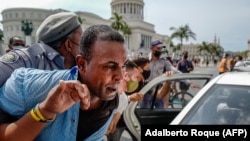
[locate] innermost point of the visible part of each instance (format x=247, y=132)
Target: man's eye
x=113, y=67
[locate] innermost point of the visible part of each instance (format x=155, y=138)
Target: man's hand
x=63, y=96
x=168, y=73
x=192, y=85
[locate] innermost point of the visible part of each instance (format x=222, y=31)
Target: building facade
x=131, y=10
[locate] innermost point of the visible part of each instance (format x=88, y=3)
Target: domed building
x=138, y=42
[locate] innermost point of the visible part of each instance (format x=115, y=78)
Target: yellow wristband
x=37, y=111
x=39, y=114
x=34, y=116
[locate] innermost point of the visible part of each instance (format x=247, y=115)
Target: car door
x=136, y=117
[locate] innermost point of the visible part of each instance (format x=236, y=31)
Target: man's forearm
x=164, y=90
x=25, y=128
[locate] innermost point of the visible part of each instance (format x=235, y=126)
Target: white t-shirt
x=123, y=102
x=239, y=64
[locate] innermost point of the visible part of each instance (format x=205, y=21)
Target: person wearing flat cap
x=58, y=42
x=158, y=66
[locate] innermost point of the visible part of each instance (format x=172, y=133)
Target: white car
x=225, y=100
x=247, y=63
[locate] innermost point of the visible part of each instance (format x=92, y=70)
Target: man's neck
x=153, y=58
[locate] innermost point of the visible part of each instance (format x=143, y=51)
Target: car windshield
x=222, y=104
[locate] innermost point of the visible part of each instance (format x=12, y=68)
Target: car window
x=181, y=92
x=222, y=104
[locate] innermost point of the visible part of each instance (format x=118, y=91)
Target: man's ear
x=81, y=62
x=68, y=45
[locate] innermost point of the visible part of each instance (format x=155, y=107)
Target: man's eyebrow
x=112, y=62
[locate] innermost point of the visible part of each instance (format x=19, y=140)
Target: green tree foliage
x=117, y=22
x=1, y=35
x=80, y=20
x=120, y=25
x=210, y=49
x=181, y=33
x=126, y=30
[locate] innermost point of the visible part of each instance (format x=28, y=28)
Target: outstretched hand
x=64, y=95
x=193, y=86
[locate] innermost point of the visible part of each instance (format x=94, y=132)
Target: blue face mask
x=18, y=47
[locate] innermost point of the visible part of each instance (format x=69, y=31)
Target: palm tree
x=121, y=26
x=118, y=22
x=126, y=32
x=204, y=47
x=183, y=32
x=215, y=50
x=210, y=49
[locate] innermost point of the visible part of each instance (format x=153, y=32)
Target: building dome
x=129, y=9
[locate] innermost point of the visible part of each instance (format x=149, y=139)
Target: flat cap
x=57, y=26
x=157, y=43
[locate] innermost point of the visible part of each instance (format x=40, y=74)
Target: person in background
x=164, y=53
x=232, y=62
x=144, y=68
x=158, y=66
x=223, y=64
x=185, y=66
x=239, y=62
x=15, y=42
x=58, y=36
x=76, y=104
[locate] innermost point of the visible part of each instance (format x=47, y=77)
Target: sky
x=229, y=20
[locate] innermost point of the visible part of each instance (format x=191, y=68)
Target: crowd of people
x=228, y=64
x=74, y=84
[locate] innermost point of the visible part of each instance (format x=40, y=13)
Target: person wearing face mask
x=128, y=92
x=16, y=42
x=143, y=66
x=158, y=66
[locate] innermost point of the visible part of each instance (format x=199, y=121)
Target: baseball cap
x=57, y=26
x=157, y=43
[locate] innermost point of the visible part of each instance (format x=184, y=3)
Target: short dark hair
x=240, y=57
x=91, y=34
x=141, y=61
x=130, y=65
x=12, y=39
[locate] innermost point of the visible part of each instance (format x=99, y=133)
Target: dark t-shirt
x=183, y=65
x=91, y=121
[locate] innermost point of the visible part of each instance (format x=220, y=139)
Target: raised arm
x=59, y=99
